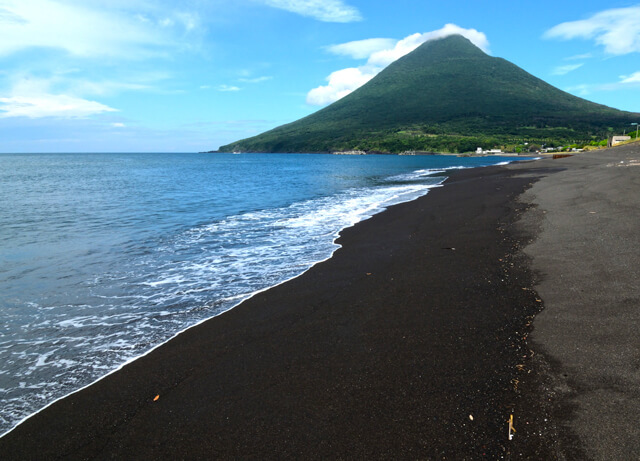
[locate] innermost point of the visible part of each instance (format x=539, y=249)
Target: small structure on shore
x=349, y=152
x=618, y=139
x=480, y=151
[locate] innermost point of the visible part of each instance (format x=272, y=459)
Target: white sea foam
x=229, y=261
x=182, y=281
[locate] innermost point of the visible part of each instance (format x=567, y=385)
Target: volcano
x=445, y=96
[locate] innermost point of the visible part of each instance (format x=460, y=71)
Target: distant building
x=618, y=139
x=480, y=151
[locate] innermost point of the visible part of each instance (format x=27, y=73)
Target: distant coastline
x=375, y=152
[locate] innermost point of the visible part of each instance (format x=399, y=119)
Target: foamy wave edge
x=257, y=292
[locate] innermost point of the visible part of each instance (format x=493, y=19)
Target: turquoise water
x=104, y=256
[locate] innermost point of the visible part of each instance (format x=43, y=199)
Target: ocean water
x=105, y=256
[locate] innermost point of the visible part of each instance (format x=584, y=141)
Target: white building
x=479, y=151
x=618, y=139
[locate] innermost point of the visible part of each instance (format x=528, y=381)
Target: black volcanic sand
x=410, y=342
x=586, y=374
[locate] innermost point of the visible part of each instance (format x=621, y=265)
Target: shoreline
x=528, y=155
x=412, y=340
x=242, y=298
x=333, y=356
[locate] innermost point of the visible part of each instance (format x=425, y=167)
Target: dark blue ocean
x=105, y=256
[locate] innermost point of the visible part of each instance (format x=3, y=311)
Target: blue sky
x=158, y=75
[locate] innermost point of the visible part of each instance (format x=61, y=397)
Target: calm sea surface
x=104, y=256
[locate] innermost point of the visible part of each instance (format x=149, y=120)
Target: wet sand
x=412, y=341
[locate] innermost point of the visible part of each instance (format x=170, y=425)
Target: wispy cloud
x=264, y=78
x=36, y=98
x=633, y=78
x=322, y=10
x=86, y=43
x=342, y=82
x=617, y=30
x=563, y=70
x=362, y=49
x=579, y=56
x=89, y=29
x=581, y=90
x=225, y=88
x=50, y=105
x=625, y=82
x=105, y=87
x=63, y=95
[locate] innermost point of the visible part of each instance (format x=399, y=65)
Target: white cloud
x=37, y=98
x=617, y=30
x=188, y=21
x=67, y=82
x=104, y=34
x=90, y=29
x=579, y=56
x=256, y=79
x=581, y=90
x=50, y=105
x=104, y=87
x=361, y=49
x=410, y=43
x=343, y=82
x=322, y=10
x=633, y=78
x=625, y=82
x=563, y=70
x=225, y=88
x=118, y=125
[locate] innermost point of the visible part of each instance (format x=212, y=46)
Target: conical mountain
x=445, y=96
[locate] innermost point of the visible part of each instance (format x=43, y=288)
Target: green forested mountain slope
x=445, y=96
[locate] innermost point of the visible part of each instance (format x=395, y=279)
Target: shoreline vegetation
x=522, y=149
x=492, y=317
x=497, y=152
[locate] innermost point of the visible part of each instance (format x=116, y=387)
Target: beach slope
x=403, y=344
x=587, y=260
x=412, y=341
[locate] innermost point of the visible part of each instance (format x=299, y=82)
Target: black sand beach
x=411, y=342
x=587, y=260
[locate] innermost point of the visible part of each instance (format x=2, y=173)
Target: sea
x=103, y=257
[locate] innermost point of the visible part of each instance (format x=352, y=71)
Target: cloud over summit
x=380, y=53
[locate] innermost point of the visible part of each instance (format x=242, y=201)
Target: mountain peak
x=454, y=42
x=445, y=96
